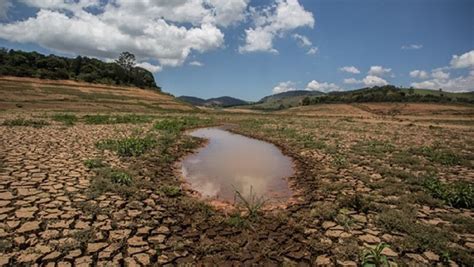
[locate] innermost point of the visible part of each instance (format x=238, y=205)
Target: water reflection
x=232, y=162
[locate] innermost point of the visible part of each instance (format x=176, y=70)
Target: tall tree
x=126, y=60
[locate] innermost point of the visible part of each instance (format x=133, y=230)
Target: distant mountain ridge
x=287, y=94
x=223, y=101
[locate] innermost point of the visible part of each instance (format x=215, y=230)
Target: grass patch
x=94, y=163
x=171, y=191
x=66, y=119
x=128, y=147
x=458, y=194
x=438, y=155
x=116, y=119
x=252, y=203
x=25, y=122
x=116, y=181
x=420, y=237
x=182, y=123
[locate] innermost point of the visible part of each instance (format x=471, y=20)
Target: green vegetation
x=181, y=123
x=171, y=191
x=388, y=93
x=94, y=163
x=458, y=194
x=116, y=119
x=436, y=154
x=373, y=257
x=67, y=119
x=128, y=147
x=120, y=177
x=33, y=64
x=25, y=122
x=251, y=203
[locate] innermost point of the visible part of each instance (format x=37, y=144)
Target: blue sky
x=421, y=43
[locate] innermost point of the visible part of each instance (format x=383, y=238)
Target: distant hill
x=283, y=100
x=389, y=93
x=196, y=101
x=224, y=101
x=35, y=65
x=22, y=93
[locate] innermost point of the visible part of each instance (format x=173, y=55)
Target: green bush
x=458, y=194
x=438, y=155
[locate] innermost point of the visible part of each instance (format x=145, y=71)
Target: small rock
x=371, y=239
x=94, y=247
x=29, y=227
x=323, y=260
x=431, y=256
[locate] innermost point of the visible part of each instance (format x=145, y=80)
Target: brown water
x=232, y=162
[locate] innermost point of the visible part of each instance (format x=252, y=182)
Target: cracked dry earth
x=48, y=217
x=42, y=185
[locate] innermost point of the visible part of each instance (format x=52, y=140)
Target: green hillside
x=35, y=65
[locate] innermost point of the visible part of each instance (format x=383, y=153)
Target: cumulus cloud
x=166, y=31
x=439, y=74
x=412, y=47
x=458, y=84
x=150, y=67
x=440, y=78
x=465, y=60
x=196, y=63
x=322, y=86
x=350, y=69
x=378, y=71
x=276, y=20
x=284, y=87
x=369, y=81
x=421, y=74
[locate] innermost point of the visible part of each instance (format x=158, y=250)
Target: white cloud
x=312, y=51
x=350, y=69
x=284, y=87
x=322, y=86
x=439, y=74
x=412, y=47
x=150, y=67
x=196, y=63
x=4, y=7
x=421, y=74
x=276, y=20
x=378, y=70
x=371, y=80
x=465, y=60
x=162, y=30
x=352, y=81
x=458, y=84
x=441, y=79
x=302, y=40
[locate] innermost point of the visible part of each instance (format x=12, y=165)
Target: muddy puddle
x=230, y=162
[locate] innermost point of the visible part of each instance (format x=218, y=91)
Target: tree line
x=32, y=64
x=388, y=93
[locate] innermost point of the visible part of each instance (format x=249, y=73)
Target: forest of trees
x=387, y=93
x=32, y=64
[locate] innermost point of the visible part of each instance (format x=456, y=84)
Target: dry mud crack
x=47, y=216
